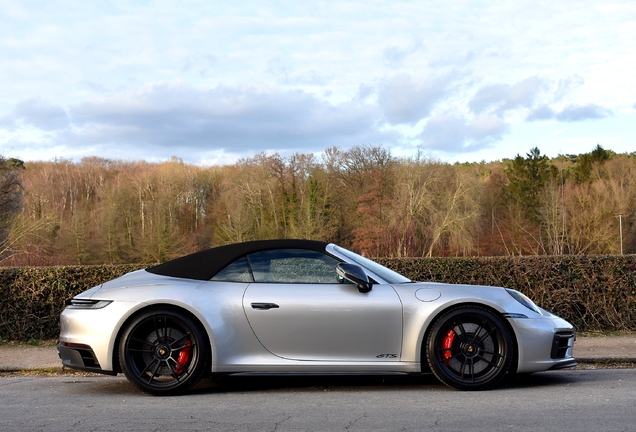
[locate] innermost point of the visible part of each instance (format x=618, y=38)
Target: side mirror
x=356, y=275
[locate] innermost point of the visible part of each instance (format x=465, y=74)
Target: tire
x=469, y=348
x=163, y=351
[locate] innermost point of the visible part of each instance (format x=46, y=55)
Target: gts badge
x=391, y=356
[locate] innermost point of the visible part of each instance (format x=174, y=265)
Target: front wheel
x=163, y=351
x=469, y=348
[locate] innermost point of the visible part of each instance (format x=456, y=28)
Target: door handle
x=264, y=306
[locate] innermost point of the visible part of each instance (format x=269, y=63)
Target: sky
x=213, y=81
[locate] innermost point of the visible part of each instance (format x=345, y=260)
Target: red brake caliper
x=447, y=344
x=184, y=357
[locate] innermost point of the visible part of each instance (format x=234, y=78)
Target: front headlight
x=524, y=300
x=87, y=304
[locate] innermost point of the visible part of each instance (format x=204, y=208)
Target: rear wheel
x=469, y=348
x=163, y=351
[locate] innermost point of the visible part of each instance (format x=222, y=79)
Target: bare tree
x=11, y=193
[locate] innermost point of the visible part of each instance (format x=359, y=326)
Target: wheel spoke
x=492, y=363
x=140, y=350
x=154, y=372
x=184, y=347
x=176, y=342
x=446, y=360
x=481, y=339
x=139, y=340
x=464, y=366
x=147, y=368
x=496, y=365
x=448, y=349
x=463, y=335
x=154, y=322
x=173, y=370
x=494, y=354
x=481, y=326
x=453, y=356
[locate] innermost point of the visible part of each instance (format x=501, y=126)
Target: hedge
x=31, y=298
x=592, y=292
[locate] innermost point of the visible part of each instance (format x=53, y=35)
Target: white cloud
x=567, y=85
x=573, y=113
x=403, y=100
x=307, y=75
x=394, y=55
x=542, y=112
x=453, y=134
x=222, y=118
x=500, y=98
x=41, y=114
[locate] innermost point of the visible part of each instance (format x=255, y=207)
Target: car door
x=299, y=310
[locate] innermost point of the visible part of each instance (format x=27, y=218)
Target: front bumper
x=81, y=357
x=544, y=343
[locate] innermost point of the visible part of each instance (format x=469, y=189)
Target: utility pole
x=620, y=222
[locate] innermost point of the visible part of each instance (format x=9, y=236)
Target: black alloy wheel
x=469, y=348
x=163, y=351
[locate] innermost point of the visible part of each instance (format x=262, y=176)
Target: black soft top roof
x=205, y=264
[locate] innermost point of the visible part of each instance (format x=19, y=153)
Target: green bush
x=31, y=298
x=592, y=292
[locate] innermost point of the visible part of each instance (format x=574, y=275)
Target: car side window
x=293, y=266
x=238, y=271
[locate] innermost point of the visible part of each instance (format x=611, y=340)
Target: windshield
x=388, y=275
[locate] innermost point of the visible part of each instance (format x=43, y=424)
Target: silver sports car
x=303, y=307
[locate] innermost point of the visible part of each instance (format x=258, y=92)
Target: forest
x=102, y=211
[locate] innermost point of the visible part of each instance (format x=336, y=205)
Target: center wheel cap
x=470, y=349
x=162, y=352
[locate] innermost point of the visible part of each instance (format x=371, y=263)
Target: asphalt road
x=568, y=400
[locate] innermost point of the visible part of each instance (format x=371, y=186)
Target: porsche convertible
x=303, y=307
